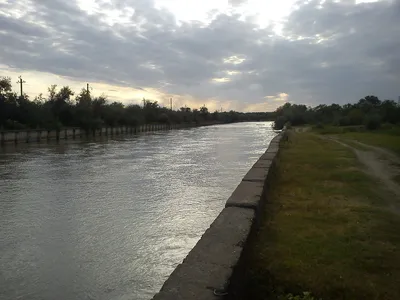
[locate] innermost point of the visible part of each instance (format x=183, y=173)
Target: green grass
x=377, y=138
x=328, y=229
x=397, y=179
x=387, y=137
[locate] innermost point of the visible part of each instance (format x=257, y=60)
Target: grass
x=397, y=179
x=377, y=138
x=328, y=229
x=386, y=137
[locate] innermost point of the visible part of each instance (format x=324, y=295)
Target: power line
x=21, y=82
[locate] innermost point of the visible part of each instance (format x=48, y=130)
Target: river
x=111, y=219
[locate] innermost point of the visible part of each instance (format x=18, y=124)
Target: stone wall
x=208, y=269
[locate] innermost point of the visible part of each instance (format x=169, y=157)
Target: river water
x=111, y=219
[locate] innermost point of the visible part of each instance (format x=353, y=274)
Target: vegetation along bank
x=331, y=223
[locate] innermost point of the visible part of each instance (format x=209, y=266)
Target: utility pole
x=20, y=81
x=87, y=88
x=144, y=102
x=170, y=101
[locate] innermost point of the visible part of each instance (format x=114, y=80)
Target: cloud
x=327, y=51
x=236, y=2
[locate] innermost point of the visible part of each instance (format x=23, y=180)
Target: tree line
x=369, y=111
x=62, y=108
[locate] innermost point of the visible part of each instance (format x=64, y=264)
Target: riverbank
x=215, y=263
x=329, y=228
x=38, y=135
x=129, y=208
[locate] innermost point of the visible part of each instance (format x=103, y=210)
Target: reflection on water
x=111, y=219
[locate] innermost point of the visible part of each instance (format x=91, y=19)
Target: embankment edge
x=212, y=266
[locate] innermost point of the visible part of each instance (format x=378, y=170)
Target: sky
x=245, y=55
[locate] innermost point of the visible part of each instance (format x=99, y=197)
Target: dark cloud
x=330, y=52
x=22, y=29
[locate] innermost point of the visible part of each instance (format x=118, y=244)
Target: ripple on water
x=112, y=219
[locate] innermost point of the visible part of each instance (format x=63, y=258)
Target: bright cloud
x=219, y=53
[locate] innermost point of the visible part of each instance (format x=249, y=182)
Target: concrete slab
x=222, y=243
x=263, y=163
x=209, y=265
x=275, y=144
x=277, y=138
x=247, y=195
x=187, y=291
x=256, y=174
x=273, y=148
x=267, y=156
x=196, y=279
x=199, y=272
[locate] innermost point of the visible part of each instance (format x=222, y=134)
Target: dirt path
x=380, y=163
x=301, y=129
x=385, y=153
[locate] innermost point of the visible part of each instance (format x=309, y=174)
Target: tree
x=62, y=106
x=7, y=106
x=204, y=110
x=215, y=115
x=151, y=110
x=5, y=85
x=134, y=115
x=52, y=92
x=356, y=116
x=389, y=111
x=84, y=113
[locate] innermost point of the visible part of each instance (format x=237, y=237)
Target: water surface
x=111, y=219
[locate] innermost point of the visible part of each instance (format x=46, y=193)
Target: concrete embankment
x=38, y=135
x=211, y=266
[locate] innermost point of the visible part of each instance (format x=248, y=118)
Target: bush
x=328, y=130
x=287, y=125
x=344, y=121
x=319, y=126
x=386, y=126
x=280, y=122
x=163, y=118
x=13, y=125
x=353, y=129
x=356, y=117
x=372, y=123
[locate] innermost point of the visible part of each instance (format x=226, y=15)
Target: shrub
x=326, y=129
x=386, y=126
x=163, y=118
x=280, y=122
x=14, y=125
x=287, y=125
x=344, y=121
x=372, y=123
x=353, y=129
x=319, y=126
